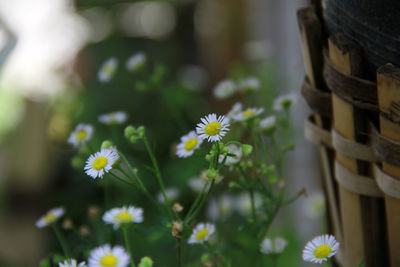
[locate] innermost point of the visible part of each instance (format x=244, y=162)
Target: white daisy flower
x=249, y=84
x=50, y=217
x=232, y=149
x=273, y=245
x=172, y=194
x=201, y=233
x=224, y=89
x=284, y=101
x=320, y=249
x=81, y=135
x=107, y=70
x=189, y=143
x=243, y=203
x=212, y=128
x=71, y=263
x=196, y=184
x=220, y=208
x=107, y=256
x=267, y=124
x=136, y=61
x=236, y=109
x=118, y=216
x=248, y=114
x=116, y=117
x=101, y=162
x=315, y=205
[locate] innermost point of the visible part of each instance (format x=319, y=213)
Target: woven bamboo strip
x=389, y=92
x=361, y=215
x=310, y=30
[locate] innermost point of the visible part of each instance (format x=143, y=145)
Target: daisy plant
x=81, y=135
x=72, y=263
x=107, y=256
x=107, y=70
x=320, y=249
x=243, y=153
x=50, y=219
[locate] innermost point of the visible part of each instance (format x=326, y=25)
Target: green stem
x=264, y=148
x=61, y=240
x=253, y=135
x=253, y=207
x=122, y=179
x=142, y=188
x=274, y=261
x=199, y=196
x=278, y=160
x=250, y=186
x=202, y=202
x=272, y=215
x=159, y=178
x=127, y=243
x=138, y=180
x=179, y=240
x=126, y=174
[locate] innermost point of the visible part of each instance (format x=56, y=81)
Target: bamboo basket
x=355, y=123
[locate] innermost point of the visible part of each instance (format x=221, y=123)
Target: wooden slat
x=388, y=80
x=310, y=30
x=361, y=215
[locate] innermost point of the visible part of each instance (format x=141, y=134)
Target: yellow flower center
x=213, y=128
x=109, y=261
x=81, y=135
x=190, y=144
x=124, y=216
x=248, y=113
x=100, y=163
x=109, y=70
x=50, y=217
x=322, y=251
x=201, y=234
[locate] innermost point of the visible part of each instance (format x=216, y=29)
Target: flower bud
x=146, y=262
x=177, y=207
x=67, y=224
x=247, y=149
x=177, y=228
x=129, y=131
x=211, y=173
x=141, y=131
x=93, y=212
x=84, y=230
x=106, y=144
x=209, y=157
x=133, y=139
